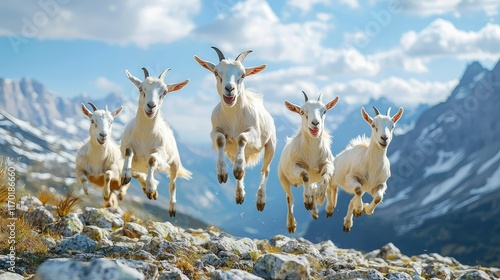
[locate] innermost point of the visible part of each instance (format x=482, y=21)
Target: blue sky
x=410, y=51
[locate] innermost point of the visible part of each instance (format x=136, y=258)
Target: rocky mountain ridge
x=99, y=244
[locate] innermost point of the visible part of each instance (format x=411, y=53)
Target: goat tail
x=184, y=173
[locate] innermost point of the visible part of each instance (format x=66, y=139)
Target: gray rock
x=96, y=269
x=78, y=242
x=438, y=270
x=95, y=233
x=134, y=230
x=371, y=274
x=101, y=217
x=171, y=272
x=398, y=276
x=474, y=274
x=68, y=226
x=389, y=252
x=327, y=249
x=10, y=276
x=279, y=266
x=39, y=217
x=228, y=243
x=211, y=259
x=233, y=274
x=149, y=270
x=165, y=230
x=30, y=201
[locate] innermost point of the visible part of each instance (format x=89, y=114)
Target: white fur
x=241, y=126
x=148, y=142
x=363, y=167
x=307, y=158
x=99, y=160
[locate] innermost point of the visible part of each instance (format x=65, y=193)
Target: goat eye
x=216, y=74
x=243, y=76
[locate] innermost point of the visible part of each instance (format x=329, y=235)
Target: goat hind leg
x=261, y=192
x=221, y=167
x=348, y=217
x=173, y=190
x=240, y=191
x=239, y=161
x=331, y=196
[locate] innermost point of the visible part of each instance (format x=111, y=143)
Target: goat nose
x=384, y=138
x=229, y=88
x=103, y=135
x=151, y=105
x=316, y=123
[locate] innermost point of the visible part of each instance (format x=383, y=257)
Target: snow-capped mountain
x=445, y=182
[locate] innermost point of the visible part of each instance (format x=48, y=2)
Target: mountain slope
x=445, y=173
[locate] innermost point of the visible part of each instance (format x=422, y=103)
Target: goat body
x=363, y=167
x=241, y=126
x=148, y=142
x=306, y=158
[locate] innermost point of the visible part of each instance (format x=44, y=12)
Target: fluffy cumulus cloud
x=442, y=38
x=457, y=7
x=253, y=24
x=140, y=23
x=405, y=92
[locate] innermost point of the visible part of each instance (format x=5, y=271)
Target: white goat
x=307, y=158
x=363, y=167
x=99, y=161
x=148, y=142
x=241, y=126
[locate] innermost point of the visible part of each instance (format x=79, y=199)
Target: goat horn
x=93, y=106
x=146, y=73
x=242, y=55
x=389, y=111
x=305, y=96
x=319, y=97
x=219, y=53
x=376, y=111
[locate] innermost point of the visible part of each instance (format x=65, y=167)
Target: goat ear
x=134, y=79
x=398, y=115
x=332, y=103
x=254, y=70
x=205, y=64
x=117, y=111
x=292, y=107
x=178, y=86
x=366, y=117
x=86, y=111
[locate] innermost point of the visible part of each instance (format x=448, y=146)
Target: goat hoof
x=260, y=206
x=240, y=200
x=121, y=196
x=308, y=205
x=155, y=195
x=126, y=180
x=347, y=229
x=171, y=213
x=222, y=178
x=328, y=215
x=315, y=215
x=238, y=174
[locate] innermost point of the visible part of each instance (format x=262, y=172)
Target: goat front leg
x=326, y=172
x=151, y=183
x=248, y=136
x=220, y=140
x=141, y=177
x=299, y=171
x=268, y=157
x=127, y=166
x=377, y=194
x=315, y=212
x=106, y=189
x=240, y=191
x=354, y=185
x=348, y=217
x=83, y=180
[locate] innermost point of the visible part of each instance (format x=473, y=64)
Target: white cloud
x=442, y=38
x=306, y=6
x=404, y=92
x=457, y=7
x=121, y=22
x=107, y=85
x=254, y=25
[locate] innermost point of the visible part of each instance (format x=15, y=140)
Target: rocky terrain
x=99, y=243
